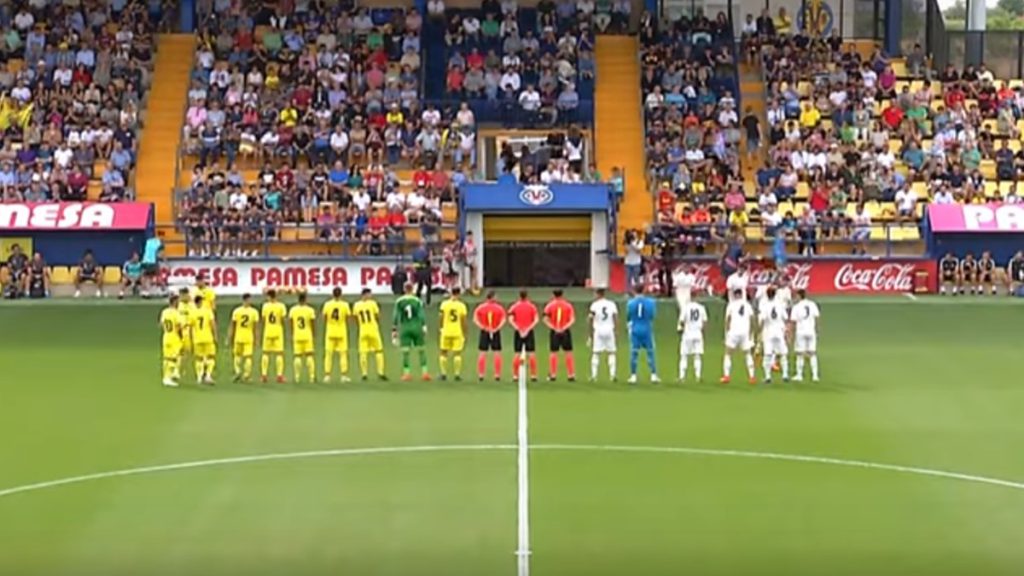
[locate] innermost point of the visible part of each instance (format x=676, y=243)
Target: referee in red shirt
x=522, y=315
x=559, y=316
x=489, y=317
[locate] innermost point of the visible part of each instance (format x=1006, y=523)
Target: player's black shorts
x=87, y=276
x=560, y=341
x=519, y=342
x=949, y=276
x=489, y=341
x=986, y=276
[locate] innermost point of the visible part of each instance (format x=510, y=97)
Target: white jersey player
x=603, y=316
x=739, y=318
x=694, y=317
x=683, y=282
x=737, y=283
x=804, y=317
x=773, y=318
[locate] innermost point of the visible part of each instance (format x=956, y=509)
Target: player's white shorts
x=691, y=345
x=775, y=344
x=738, y=342
x=604, y=342
x=805, y=343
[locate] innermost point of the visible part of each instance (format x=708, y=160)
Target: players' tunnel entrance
x=536, y=250
x=536, y=263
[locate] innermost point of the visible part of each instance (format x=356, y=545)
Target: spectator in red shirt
x=892, y=115
x=819, y=198
x=396, y=229
x=489, y=317
x=523, y=317
x=455, y=80
x=421, y=177
x=559, y=316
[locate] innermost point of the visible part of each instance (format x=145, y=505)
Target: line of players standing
x=979, y=276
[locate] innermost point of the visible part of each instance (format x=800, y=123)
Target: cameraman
x=634, y=260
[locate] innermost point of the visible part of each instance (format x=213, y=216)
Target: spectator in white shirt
x=510, y=79
x=943, y=196
x=471, y=26
x=906, y=204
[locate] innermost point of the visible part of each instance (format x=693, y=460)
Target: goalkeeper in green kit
x=409, y=330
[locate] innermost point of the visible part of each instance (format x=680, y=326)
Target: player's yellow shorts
x=273, y=345
x=242, y=349
x=204, y=349
x=336, y=345
x=370, y=343
x=452, y=342
x=302, y=347
x=171, y=348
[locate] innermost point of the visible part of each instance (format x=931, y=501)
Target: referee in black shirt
x=421, y=263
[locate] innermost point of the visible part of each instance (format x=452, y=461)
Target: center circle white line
x=509, y=447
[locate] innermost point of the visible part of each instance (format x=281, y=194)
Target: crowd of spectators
x=851, y=141
x=690, y=111
x=326, y=99
x=867, y=142
x=74, y=77
x=535, y=66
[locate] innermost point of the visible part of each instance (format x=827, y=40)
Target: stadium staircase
x=161, y=137
x=619, y=128
x=752, y=94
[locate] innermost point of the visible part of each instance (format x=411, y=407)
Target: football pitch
x=906, y=459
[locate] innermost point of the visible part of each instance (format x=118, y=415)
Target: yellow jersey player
x=273, y=315
x=170, y=329
x=335, y=314
x=204, y=341
x=245, y=321
x=185, y=308
x=202, y=288
x=453, y=333
x=303, y=319
x=367, y=314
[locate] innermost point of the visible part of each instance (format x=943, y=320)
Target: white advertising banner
x=313, y=276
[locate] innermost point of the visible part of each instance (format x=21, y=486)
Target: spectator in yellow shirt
x=809, y=116
x=289, y=116
x=783, y=23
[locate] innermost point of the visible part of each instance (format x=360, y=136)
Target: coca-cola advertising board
x=311, y=276
x=846, y=276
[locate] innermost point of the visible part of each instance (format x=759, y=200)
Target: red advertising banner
x=69, y=216
x=976, y=217
x=845, y=276
x=312, y=276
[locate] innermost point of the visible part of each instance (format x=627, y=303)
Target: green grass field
x=926, y=385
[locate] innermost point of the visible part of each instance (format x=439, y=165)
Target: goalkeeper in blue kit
x=640, y=314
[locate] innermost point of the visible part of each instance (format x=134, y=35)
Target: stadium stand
x=75, y=81
x=307, y=133
x=521, y=66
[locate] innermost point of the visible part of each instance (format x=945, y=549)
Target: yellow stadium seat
x=803, y=190
x=61, y=275
x=306, y=233
x=886, y=211
x=990, y=188
x=111, y=274
x=1014, y=145
x=988, y=169
x=921, y=189
x=1014, y=84
x=926, y=146
x=901, y=84
x=899, y=68
x=879, y=233
x=754, y=233
x=916, y=85
x=449, y=212
x=1005, y=187
x=413, y=234
x=785, y=207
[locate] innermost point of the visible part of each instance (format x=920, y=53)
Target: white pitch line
x=523, y=482
x=911, y=296
x=973, y=478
